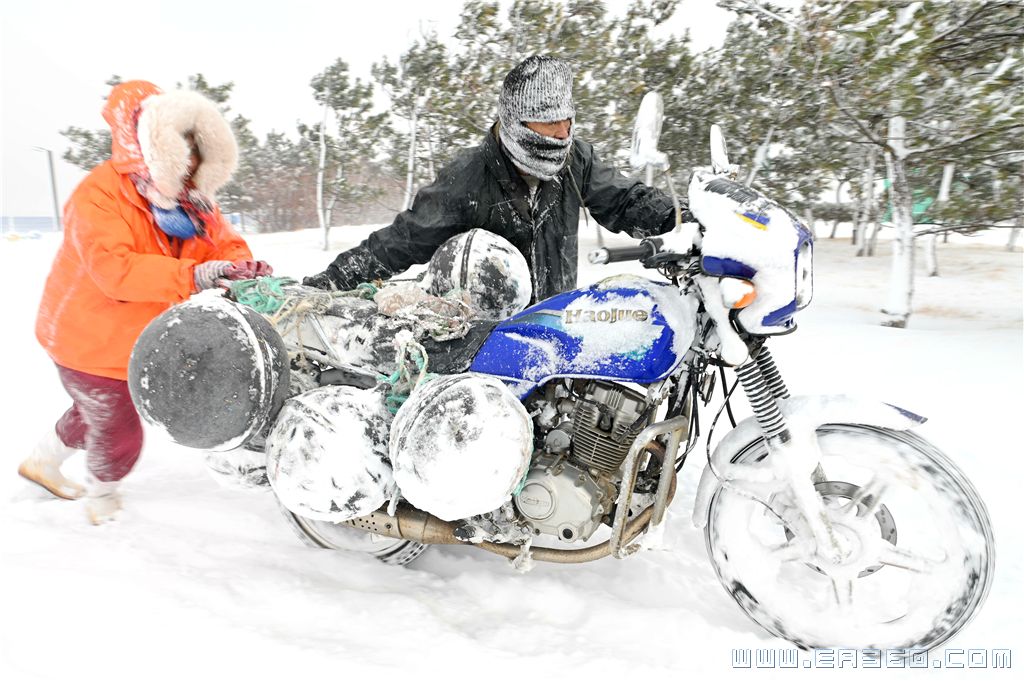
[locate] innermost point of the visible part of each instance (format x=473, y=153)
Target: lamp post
x=53, y=187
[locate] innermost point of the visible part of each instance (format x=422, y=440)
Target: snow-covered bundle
x=327, y=454
x=239, y=469
x=460, y=445
x=361, y=336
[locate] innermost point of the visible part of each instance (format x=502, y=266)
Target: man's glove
x=248, y=269
x=206, y=274
x=321, y=281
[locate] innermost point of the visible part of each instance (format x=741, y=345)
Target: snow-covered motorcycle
x=826, y=519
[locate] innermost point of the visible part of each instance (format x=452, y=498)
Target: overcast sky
x=56, y=55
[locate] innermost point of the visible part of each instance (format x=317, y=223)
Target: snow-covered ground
x=198, y=581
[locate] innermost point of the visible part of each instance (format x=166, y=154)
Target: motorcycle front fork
x=764, y=387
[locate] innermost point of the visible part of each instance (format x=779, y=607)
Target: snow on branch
x=757, y=7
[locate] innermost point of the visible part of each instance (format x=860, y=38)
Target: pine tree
x=419, y=88
x=895, y=84
x=354, y=142
x=89, y=148
x=284, y=197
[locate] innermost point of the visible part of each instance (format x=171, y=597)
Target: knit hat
x=537, y=90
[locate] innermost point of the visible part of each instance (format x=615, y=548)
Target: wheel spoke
x=869, y=496
x=904, y=559
x=842, y=593
x=788, y=552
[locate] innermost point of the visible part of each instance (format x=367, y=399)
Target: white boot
x=43, y=468
x=102, y=500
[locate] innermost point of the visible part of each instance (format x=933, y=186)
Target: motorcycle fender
x=804, y=414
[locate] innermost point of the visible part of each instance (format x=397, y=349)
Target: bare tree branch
x=865, y=130
x=964, y=140
x=973, y=226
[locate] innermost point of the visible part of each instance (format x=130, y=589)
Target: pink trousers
x=102, y=420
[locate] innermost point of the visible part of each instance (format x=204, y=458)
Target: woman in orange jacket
x=141, y=232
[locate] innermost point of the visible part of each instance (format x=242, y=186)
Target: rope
x=265, y=294
x=442, y=318
x=293, y=312
x=288, y=310
x=403, y=381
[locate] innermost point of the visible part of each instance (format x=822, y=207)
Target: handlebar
x=644, y=249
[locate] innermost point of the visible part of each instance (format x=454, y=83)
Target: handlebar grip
x=644, y=249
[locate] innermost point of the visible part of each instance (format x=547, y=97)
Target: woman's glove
x=248, y=269
x=206, y=274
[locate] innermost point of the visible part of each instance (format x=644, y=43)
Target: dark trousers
x=102, y=420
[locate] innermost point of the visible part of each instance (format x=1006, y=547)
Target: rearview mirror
x=719, y=151
x=646, y=132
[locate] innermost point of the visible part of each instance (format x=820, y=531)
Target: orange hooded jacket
x=115, y=270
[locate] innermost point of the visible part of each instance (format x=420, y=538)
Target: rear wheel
x=341, y=537
x=917, y=547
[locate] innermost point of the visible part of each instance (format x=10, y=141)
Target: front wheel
x=340, y=537
x=916, y=545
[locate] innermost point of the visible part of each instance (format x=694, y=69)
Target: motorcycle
x=826, y=519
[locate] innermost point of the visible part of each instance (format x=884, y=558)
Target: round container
x=327, y=454
x=210, y=373
x=460, y=445
x=486, y=267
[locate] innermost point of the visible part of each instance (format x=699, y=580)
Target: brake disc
x=833, y=489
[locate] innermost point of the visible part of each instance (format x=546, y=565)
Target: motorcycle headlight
x=804, y=275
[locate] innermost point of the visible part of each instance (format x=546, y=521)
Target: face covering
x=533, y=153
x=174, y=222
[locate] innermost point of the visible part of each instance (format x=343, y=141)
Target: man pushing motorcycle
x=526, y=182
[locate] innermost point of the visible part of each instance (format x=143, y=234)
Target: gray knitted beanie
x=537, y=90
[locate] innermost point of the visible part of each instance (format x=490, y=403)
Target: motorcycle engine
x=586, y=428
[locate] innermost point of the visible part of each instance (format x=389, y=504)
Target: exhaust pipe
x=419, y=526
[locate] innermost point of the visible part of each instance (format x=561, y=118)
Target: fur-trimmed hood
x=121, y=114
x=148, y=129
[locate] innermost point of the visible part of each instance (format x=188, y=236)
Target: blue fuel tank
x=624, y=328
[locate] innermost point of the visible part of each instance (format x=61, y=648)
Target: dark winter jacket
x=481, y=188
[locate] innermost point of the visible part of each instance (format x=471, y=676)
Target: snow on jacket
x=481, y=188
x=115, y=270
